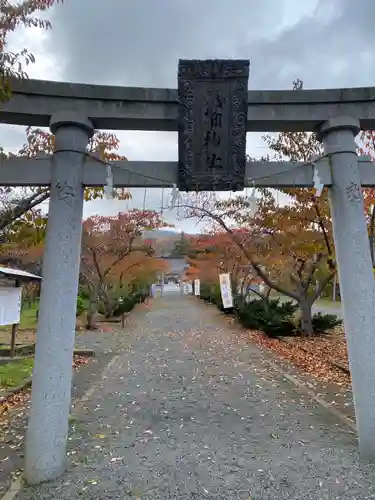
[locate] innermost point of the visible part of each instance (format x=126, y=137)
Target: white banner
x=10, y=305
x=226, y=290
x=197, y=287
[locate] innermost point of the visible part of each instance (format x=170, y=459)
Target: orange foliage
x=104, y=143
x=14, y=15
x=216, y=253
x=112, y=247
x=367, y=148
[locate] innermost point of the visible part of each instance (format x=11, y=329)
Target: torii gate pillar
x=357, y=283
x=52, y=377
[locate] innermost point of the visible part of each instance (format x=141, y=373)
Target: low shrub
x=210, y=293
x=127, y=304
x=271, y=317
x=140, y=296
x=274, y=317
x=129, y=301
x=324, y=322
x=84, y=292
x=81, y=305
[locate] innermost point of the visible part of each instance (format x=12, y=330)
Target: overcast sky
x=139, y=42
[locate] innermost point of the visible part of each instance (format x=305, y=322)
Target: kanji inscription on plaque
x=213, y=104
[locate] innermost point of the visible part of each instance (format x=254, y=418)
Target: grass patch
x=73, y=420
x=321, y=301
x=328, y=303
x=13, y=374
x=28, y=319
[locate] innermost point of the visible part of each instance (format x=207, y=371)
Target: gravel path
x=106, y=344
x=190, y=411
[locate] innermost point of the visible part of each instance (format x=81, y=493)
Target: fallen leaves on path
x=21, y=398
x=313, y=355
x=80, y=360
x=330, y=347
x=316, y=362
x=106, y=328
x=13, y=424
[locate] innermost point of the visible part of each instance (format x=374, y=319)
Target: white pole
x=355, y=271
x=52, y=376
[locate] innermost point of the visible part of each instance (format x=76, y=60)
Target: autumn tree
x=285, y=245
x=181, y=247
x=214, y=253
x=112, y=247
x=366, y=147
x=163, y=245
x=15, y=203
x=22, y=222
x=22, y=248
x=12, y=16
x=23, y=242
x=137, y=272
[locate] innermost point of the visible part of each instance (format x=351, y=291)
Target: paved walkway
x=190, y=411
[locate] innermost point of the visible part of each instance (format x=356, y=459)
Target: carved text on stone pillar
x=212, y=124
x=65, y=192
x=353, y=191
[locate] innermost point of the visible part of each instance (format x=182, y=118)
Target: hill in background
x=167, y=243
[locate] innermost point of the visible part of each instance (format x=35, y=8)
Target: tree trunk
x=106, y=302
x=307, y=329
x=93, y=302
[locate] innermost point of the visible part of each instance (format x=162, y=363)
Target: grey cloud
x=328, y=48
x=140, y=42
x=12, y=137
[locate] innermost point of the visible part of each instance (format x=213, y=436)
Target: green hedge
x=271, y=317
x=274, y=317
x=129, y=302
x=323, y=322
x=81, y=305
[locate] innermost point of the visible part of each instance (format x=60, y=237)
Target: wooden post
x=13, y=340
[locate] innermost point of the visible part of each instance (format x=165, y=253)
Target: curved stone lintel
x=132, y=108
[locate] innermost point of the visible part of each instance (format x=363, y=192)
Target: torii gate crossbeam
x=16, y=171
x=135, y=108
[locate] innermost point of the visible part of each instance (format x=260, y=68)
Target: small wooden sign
x=213, y=107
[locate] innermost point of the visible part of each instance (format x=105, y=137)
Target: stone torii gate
x=210, y=157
